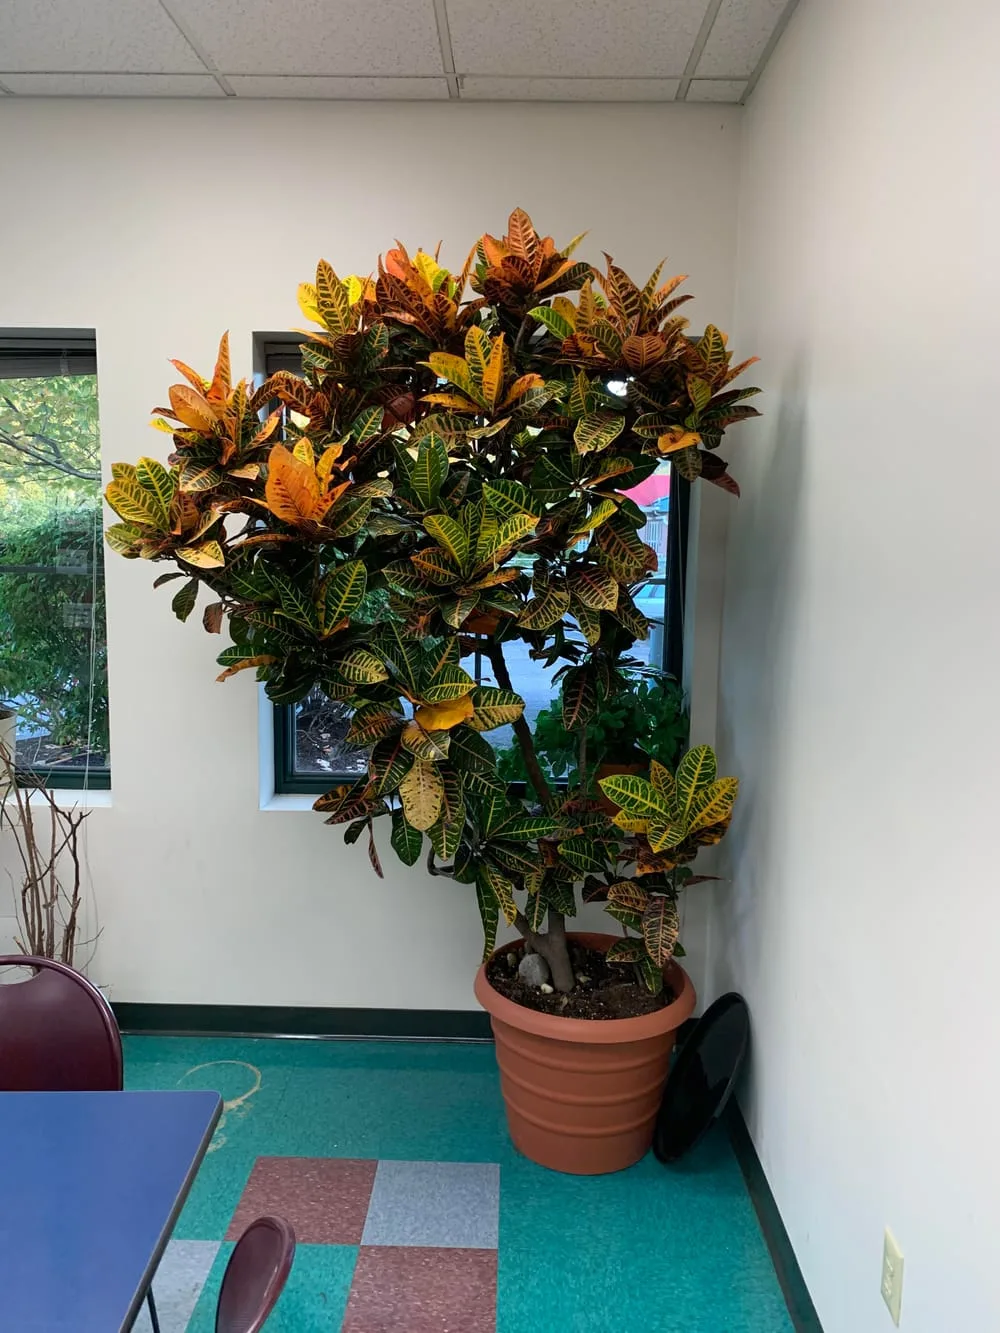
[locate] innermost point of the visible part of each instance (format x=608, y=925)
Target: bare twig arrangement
x=47, y=839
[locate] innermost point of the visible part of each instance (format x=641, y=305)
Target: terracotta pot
x=582, y=1094
x=613, y=770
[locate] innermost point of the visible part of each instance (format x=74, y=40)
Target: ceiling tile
x=315, y=36
x=632, y=38
x=106, y=35
x=739, y=36
x=485, y=89
x=294, y=85
x=112, y=85
x=716, y=90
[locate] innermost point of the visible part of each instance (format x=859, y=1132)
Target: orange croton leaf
x=192, y=409
x=292, y=490
x=677, y=438
x=222, y=381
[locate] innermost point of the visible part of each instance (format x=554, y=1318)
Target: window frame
x=72, y=345
x=273, y=352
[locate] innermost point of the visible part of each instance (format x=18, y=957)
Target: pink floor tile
x=410, y=1289
x=324, y=1198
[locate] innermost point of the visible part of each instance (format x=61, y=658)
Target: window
x=310, y=754
x=53, y=664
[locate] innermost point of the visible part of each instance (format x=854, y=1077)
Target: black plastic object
x=703, y=1077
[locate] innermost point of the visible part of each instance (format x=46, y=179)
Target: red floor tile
x=409, y=1289
x=324, y=1198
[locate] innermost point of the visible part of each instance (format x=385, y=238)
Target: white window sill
x=288, y=801
x=67, y=797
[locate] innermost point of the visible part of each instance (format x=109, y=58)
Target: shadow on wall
x=763, y=581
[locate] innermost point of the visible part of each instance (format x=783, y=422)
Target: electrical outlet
x=892, y=1275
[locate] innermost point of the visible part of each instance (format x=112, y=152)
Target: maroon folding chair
x=255, y=1276
x=58, y=1034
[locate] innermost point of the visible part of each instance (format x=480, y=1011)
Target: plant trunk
x=558, y=956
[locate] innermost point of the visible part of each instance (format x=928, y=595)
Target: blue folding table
x=91, y=1184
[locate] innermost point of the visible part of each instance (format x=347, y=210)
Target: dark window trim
x=78, y=349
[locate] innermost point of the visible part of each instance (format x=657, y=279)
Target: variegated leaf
x=660, y=928
x=422, y=793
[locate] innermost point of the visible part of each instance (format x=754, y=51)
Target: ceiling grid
x=471, y=50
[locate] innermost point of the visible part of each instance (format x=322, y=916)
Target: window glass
x=53, y=667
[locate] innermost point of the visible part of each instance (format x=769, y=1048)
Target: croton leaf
x=206, y=555
x=342, y=593
x=371, y=723
x=635, y=795
x=154, y=478
x=535, y=908
x=627, y=893
x=596, y=587
x=132, y=502
x=501, y=888
x=695, y=772
x=450, y=534
x=489, y=913
x=528, y=828
x=449, y=682
x=713, y=804
x=122, y=537
x=422, y=793
x=579, y=698
x=543, y=611
x=470, y=753
x=445, y=836
x=429, y=745
x=405, y=839
x=388, y=765
x=292, y=488
x=652, y=976
x=626, y=951
x=182, y=602
x=444, y=716
x=584, y=854
x=429, y=469
x=660, y=928
x=494, y=708
x=361, y=667
x=596, y=430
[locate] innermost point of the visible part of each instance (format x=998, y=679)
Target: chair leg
x=152, y=1311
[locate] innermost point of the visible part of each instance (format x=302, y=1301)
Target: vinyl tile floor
x=414, y=1213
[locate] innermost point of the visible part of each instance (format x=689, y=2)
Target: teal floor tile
x=313, y=1301
x=658, y=1250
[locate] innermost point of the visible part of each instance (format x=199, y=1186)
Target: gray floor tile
x=179, y=1279
x=442, y=1204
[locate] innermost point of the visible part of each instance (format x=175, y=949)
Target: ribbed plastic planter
x=582, y=1094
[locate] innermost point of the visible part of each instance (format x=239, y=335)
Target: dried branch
x=48, y=907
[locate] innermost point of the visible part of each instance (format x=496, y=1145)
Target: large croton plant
x=449, y=475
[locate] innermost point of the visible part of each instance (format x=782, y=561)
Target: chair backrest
x=57, y=1032
x=255, y=1276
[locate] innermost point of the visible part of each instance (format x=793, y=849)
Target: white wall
x=160, y=224
x=860, y=646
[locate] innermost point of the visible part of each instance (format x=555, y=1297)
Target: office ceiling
x=469, y=50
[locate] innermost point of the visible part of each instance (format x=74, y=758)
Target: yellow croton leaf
x=309, y=302
x=677, y=438
x=442, y=717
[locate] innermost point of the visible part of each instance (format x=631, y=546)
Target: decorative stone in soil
x=610, y=991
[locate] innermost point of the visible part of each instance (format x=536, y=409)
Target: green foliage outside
x=645, y=719
x=50, y=515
